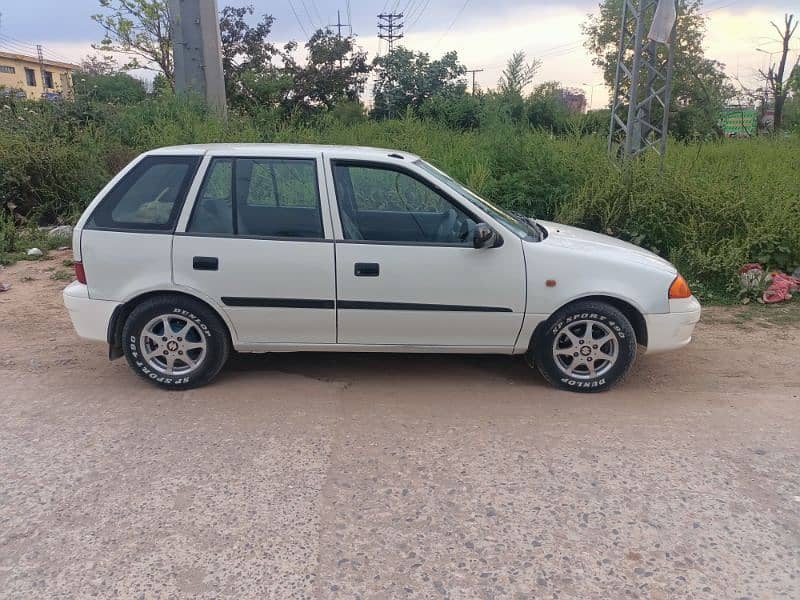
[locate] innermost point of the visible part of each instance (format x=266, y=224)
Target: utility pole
x=339, y=24
x=643, y=76
x=40, y=55
x=197, y=50
x=390, y=27
x=473, y=71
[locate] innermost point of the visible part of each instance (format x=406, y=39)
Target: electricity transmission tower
x=390, y=27
x=643, y=82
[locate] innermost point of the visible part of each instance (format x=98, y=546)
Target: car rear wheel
x=587, y=346
x=175, y=342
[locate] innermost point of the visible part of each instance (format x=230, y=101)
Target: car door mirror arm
x=485, y=237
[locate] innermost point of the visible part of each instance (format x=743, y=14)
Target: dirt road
x=342, y=476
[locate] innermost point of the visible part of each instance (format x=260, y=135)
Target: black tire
x=607, y=323
x=205, y=329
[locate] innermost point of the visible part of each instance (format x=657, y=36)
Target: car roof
x=361, y=152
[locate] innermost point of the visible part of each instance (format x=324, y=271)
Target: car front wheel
x=587, y=346
x=175, y=342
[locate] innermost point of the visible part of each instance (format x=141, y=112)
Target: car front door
x=258, y=242
x=407, y=271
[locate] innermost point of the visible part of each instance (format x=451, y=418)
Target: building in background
x=574, y=101
x=25, y=74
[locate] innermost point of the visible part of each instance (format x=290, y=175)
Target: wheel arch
x=632, y=313
x=120, y=315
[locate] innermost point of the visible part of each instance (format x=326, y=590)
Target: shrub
x=713, y=206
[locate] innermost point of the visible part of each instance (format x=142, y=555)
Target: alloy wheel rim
x=585, y=349
x=173, y=345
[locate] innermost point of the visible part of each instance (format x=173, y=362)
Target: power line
x=710, y=9
x=11, y=43
x=316, y=11
x=453, y=22
x=297, y=18
x=29, y=49
x=308, y=14
x=422, y=8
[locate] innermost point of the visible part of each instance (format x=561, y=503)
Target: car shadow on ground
x=343, y=366
x=484, y=374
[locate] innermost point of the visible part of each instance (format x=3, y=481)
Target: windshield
x=515, y=222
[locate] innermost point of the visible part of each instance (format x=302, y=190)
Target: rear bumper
x=89, y=317
x=674, y=329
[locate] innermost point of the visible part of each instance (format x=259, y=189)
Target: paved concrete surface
x=347, y=476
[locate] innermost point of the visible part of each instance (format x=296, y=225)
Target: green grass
x=16, y=247
x=712, y=207
x=784, y=314
x=61, y=275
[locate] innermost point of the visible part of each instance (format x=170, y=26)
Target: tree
x=251, y=77
x=96, y=64
x=518, y=74
x=546, y=108
x=141, y=30
x=101, y=79
x=112, y=87
x=335, y=72
x=407, y=79
x=700, y=84
x=777, y=80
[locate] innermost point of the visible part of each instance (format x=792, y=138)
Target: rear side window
x=259, y=197
x=149, y=197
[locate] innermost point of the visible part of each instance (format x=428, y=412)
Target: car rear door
x=258, y=241
x=407, y=273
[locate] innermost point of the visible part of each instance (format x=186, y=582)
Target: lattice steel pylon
x=390, y=27
x=643, y=77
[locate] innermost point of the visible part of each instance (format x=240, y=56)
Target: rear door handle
x=367, y=270
x=205, y=263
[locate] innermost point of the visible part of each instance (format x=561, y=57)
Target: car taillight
x=679, y=289
x=80, y=274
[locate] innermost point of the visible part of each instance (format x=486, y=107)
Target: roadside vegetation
x=713, y=205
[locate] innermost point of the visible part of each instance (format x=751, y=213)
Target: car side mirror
x=485, y=236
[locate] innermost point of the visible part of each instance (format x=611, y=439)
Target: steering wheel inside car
x=454, y=227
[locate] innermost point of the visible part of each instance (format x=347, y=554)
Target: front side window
x=382, y=204
x=518, y=225
x=259, y=197
x=149, y=197
x=48, y=79
x=30, y=77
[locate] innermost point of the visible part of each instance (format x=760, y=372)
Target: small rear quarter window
x=149, y=197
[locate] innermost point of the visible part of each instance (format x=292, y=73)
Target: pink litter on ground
x=781, y=288
x=4, y=287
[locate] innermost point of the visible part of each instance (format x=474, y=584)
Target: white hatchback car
x=194, y=251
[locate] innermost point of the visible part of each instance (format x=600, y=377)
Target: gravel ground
x=350, y=476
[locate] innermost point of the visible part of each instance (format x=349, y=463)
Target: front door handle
x=205, y=263
x=367, y=270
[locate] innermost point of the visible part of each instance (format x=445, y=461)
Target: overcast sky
x=484, y=32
